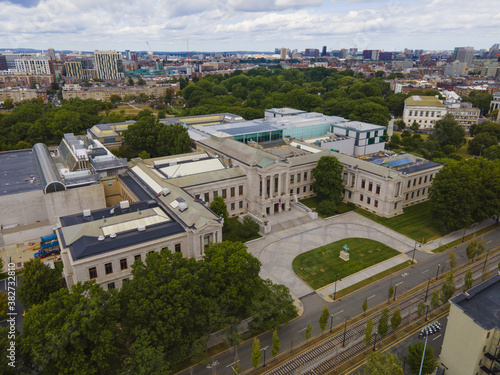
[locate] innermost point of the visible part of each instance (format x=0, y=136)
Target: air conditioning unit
x=165, y=191
x=86, y=213
x=183, y=206
x=141, y=228
x=124, y=205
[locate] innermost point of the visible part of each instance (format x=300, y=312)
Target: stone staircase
x=278, y=227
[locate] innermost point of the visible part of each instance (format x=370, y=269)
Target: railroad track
x=326, y=356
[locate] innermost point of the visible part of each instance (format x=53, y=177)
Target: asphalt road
x=18, y=308
x=293, y=332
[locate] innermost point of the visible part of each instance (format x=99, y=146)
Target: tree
x=414, y=358
x=73, y=333
x=448, y=288
x=435, y=299
x=249, y=227
x=383, y=364
x=383, y=323
x=276, y=343
x=468, y=280
x=475, y=248
x=400, y=124
x=327, y=208
x=8, y=104
x=256, y=353
x=364, y=305
x=144, y=155
x=218, y=206
x=323, y=319
x=115, y=98
x=453, y=259
x=308, y=332
x=492, y=152
x=328, y=184
x=480, y=100
x=415, y=127
x=141, y=82
x=130, y=82
x=481, y=142
x=271, y=306
x=368, y=332
x=421, y=308
x=233, y=337
x=3, y=303
x=390, y=293
x=448, y=131
x=38, y=283
x=396, y=320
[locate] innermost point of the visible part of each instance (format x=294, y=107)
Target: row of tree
x=159, y=318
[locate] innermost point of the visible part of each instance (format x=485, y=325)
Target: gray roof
x=482, y=303
x=207, y=177
x=15, y=168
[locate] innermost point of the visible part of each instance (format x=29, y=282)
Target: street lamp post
x=345, y=329
x=264, y=349
x=427, y=291
x=485, y=260
x=430, y=330
x=395, y=291
x=331, y=324
x=335, y=291
x=437, y=273
x=414, y=249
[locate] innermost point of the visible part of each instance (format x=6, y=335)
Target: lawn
x=233, y=233
x=416, y=222
x=313, y=204
x=321, y=266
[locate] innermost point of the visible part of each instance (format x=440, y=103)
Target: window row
x=416, y=194
x=299, y=175
x=232, y=192
x=437, y=114
x=370, y=186
x=368, y=200
x=419, y=179
x=304, y=190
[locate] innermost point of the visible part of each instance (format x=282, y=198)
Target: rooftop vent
x=141, y=228
x=183, y=206
x=112, y=235
x=100, y=238
x=86, y=213
x=124, y=205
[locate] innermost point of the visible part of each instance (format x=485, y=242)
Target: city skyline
x=257, y=26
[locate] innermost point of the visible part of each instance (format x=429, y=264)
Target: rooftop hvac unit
x=124, y=205
x=165, y=191
x=141, y=228
x=100, y=238
x=86, y=213
x=112, y=235
x=183, y=206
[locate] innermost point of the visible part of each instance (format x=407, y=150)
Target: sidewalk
x=328, y=290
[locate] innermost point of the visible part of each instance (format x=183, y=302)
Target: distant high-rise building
x=52, y=54
x=108, y=64
x=494, y=50
x=283, y=53
x=323, y=51
x=386, y=56
x=353, y=52
x=133, y=57
x=311, y=52
x=465, y=55
x=277, y=51
x=127, y=54
x=343, y=53
x=371, y=54
x=3, y=62
x=36, y=65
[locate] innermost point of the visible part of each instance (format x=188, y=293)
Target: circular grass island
x=322, y=266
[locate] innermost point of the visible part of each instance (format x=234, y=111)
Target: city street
x=292, y=333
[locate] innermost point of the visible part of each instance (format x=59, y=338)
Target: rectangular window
x=305, y=176
x=407, y=195
x=412, y=195
x=298, y=177
x=298, y=190
x=418, y=193
x=137, y=257
x=233, y=192
x=425, y=179
x=414, y=182
x=177, y=247
x=93, y=273
x=410, y=113
x=123, y=264
x=207, y=198
x=108, y=268
x=370, y=186
x=430, y=178
x=420, y=181
x=216, y=194
x=305, y=189
x=368, y=200
x=395, y=205
x=409, y=183
x=292, y=176
x=362, y=184
x=241, y=204
x=291, y=191
x=111, y=286
x=197, y=196
x=240, y=190
x=232, y=206
x=361, y=197
x=350, y=195
x=377, y=189
x=375, y=203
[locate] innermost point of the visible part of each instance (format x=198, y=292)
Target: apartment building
x=108, y=65
x=465, y=114
x=471, y=343
x=424, y=110
x=36, y=65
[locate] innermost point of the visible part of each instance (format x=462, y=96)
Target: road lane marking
x=489, y=241
x=400, y=283
x=435, y=338
x=425, y=271
x=338, y=312
x=371, y=296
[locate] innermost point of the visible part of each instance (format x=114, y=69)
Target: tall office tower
x=311, y=52
x=283, y=53
x=276, y=51
x=108, y=64
x=52, y=54
x=74, y=69
x=465, y=54
x=127, y=54
x=3, y=62
x=353, y=52
x=494, y=50
x=323, y=51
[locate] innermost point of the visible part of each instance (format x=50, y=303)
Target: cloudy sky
x=258, y=25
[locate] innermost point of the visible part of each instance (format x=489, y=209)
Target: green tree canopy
x=218, y=206
x=38, y=283
x=383, y=323
x=414, y=359
x=448, y=288
x=448, y=131
x=328, y=184
x=383, y=364
x=480, y=142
